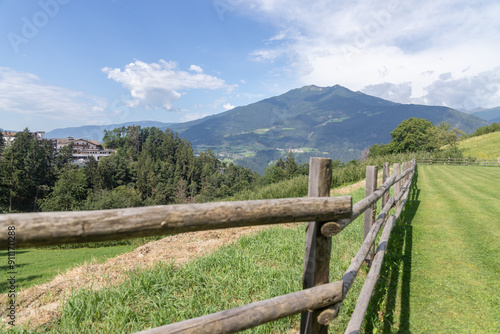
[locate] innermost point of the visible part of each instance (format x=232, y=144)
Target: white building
x=83, y=148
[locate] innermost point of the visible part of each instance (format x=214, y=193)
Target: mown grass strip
x=442, y=271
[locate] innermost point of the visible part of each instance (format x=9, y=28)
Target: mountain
x=97, y=131
x=491, y=115
x=311, y=121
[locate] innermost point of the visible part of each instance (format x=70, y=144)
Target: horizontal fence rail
x=55, y=228
x=319, y=301
x=258, y=313
x=332, y=228
x=460, y=162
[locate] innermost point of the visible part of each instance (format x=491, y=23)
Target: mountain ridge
x=311, y=121
x=491, y=115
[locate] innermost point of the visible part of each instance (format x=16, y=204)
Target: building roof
x=8, y=133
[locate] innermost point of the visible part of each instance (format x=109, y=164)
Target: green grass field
x=441, y=274
x=40, y=265
x=255, y=267
x=483, y=147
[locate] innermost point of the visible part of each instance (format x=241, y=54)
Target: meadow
x=482, y=147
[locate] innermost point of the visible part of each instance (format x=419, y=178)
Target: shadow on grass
x=5, y=285
x=382, y=312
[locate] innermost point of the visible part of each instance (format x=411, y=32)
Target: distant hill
x=483, y=147
x=96, y=132
x=491, y=115
x=311, y=121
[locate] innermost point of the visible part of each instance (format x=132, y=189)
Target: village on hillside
x=83, y=149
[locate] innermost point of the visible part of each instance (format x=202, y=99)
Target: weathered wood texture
x=54, y=228
x=369, y=215
x=327, y=316
x=335, y=227
x=385, y=175
x=397, y=185
x=358, y=315
x=258, y=313
x=318, y=247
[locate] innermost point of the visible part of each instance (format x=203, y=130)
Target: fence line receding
x=318, y=302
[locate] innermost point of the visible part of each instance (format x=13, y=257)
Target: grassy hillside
x=256, y=267
x=483, y=147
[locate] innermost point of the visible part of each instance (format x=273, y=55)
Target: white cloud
x=160, y=84
x=266, y=55
x=228, y=106
x=400, y=93
x=26, y=94
x=464, y=92
x=365, y=43
x=193, y=116
x=196, y=68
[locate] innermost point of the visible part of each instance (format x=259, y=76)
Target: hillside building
x=83, y=149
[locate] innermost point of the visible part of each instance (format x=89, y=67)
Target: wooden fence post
x=371, y=186
x=397, y=185
x=405, y=166
x=385, y=175
x=318, y=247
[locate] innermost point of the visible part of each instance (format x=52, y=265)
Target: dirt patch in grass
x=41, y=304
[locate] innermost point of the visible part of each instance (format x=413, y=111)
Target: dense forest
x=150, y=167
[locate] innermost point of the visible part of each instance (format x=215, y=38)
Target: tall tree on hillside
x=2, y=143
x=412, y=135
x=64, y=157
x=69, y=191
x=26, y=171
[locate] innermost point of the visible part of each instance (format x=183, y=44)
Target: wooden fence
x=461, y=162
x=318, y=302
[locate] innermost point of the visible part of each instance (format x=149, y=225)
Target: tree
x=69, y=191
x=444, y=134
x=2, y=143
x=25, y=172
x=92, y=173
x=290, y=166
x=412, y=135
x=380, y=150
x=64, y=157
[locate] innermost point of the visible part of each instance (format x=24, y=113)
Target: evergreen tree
x=69, y=191
x=2, y=143
x=26, y=169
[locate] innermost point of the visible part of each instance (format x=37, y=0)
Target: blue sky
x=80, y=62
